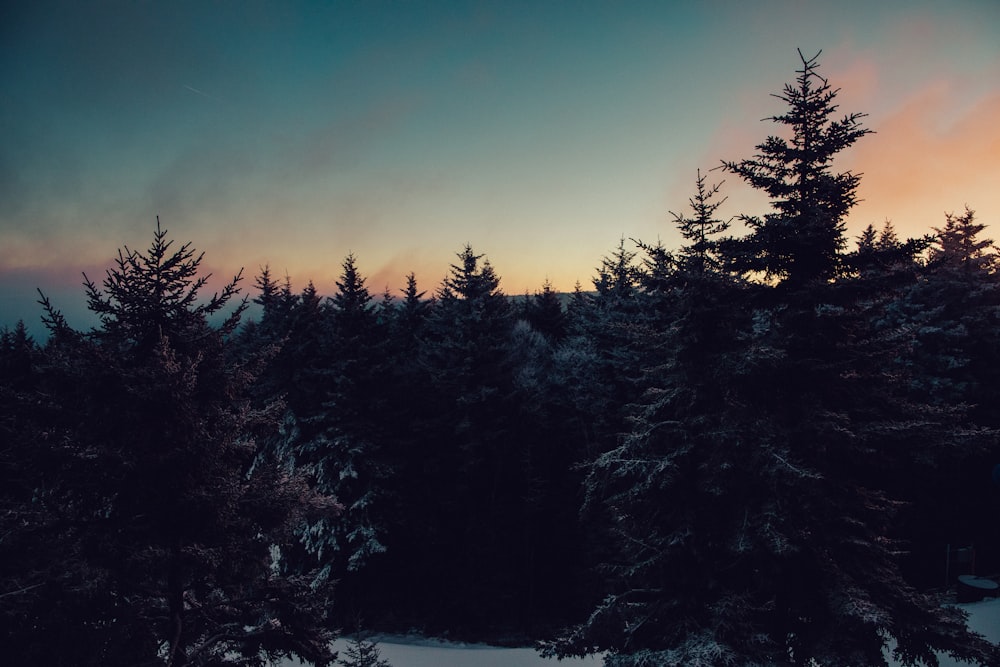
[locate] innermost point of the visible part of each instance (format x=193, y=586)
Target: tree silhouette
x=754, y=494
x=802, y=239
x=169, y=514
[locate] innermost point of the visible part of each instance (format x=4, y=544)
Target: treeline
x=752, y=449
x=447, y=426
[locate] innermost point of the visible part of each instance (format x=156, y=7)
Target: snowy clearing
x=404, y=651
x=407, y=652
x=984, y=618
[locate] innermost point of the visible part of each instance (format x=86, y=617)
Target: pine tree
x=960, y=248
x=952, y=313
x=155, y=490
x=472, y=469
x=802, y=240
x=413, y=312
x=27, y=571
x=754, y=495
x=152, y=295
x=297, y=372
x=362, y=651
x=881, y=256
x=545, y=312
x=346, y=453
x=407, y=435
x=701, y=255
x=18, y=354
x=654, y=495
x=352, y=303
x=600, y=361
x=276, y=302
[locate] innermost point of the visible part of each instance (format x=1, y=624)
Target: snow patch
x=416, y=651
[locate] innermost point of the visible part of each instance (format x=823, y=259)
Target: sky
x=290, y=134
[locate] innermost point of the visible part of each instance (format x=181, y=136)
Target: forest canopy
x=754, y=449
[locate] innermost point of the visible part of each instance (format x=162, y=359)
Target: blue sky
x=540, y=133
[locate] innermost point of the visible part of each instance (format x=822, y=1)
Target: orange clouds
x=50, y=255
x=858, y=82
x=937, y=152
x=936, y=145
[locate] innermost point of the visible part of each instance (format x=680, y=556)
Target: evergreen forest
x=753, y=449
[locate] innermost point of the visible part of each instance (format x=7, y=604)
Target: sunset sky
x=541, y=133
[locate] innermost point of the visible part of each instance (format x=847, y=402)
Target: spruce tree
x=405, y=432
x=885, y=262
x=362, y=651
x=952, y=313
x=802, y=239
x=600, y=359
x=345, y=453
x=544, y=310
x=473, y=475
x=658, y=495
x=754, y=496
x=168, y=513
x=28, y=572
x=413, y=313
x=701, y=254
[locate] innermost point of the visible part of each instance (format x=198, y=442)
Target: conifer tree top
x=149, y=295
x=802, y=239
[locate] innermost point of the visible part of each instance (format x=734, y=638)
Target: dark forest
x=755, y=449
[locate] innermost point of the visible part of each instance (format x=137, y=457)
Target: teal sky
x=540, y=133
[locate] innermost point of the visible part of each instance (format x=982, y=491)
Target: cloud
x=935, y=146
x=858, y=80
x=392, y=273
x=939, y=150
x=342, y=141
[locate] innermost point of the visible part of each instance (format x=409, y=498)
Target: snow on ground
x=984, y=618
x=404, y=651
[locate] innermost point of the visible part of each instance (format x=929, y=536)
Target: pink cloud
x=936, y=145
x=937, y=152
x=49, y=255
x=858, y=82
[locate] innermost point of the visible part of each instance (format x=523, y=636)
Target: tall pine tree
x=168, y=514
x=754, y=494
x=802, y=239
